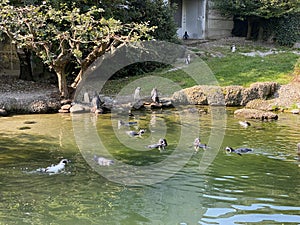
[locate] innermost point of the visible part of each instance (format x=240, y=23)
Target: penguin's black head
x=64, y=161
x=228, y=149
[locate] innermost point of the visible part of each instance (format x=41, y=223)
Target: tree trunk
x=260, y=36
x=77, y=79
x=25, y=64
x=249, y=20
x=62, y=83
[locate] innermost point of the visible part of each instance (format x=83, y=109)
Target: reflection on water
x=261, y=187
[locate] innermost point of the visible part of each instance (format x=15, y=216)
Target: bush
x=156, y=12
x=285, y=30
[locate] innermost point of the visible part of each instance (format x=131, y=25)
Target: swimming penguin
x=103, y=161
x=198, y=144
x=133, y=133
x=238, y=151
x=162, y=143
x=55, y=168
x=128, y=124
x=244, y=123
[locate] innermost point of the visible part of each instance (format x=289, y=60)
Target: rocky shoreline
x=27, y=97
x=260, y=100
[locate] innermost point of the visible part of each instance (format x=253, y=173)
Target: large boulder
x=193, y=96
x=229, y=96
x=30, y=105
x=260, y=104
x=199, y=95
x=259, y=90
x=79, y=108
x=233, y=95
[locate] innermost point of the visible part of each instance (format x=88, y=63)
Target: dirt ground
x=11, y=87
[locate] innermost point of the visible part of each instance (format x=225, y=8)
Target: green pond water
x=148, y=186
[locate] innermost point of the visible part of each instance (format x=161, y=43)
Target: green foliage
x=59, y=36
x=155, y=12
x=260, y=8
x=285, y=30
x=288, y=30
x=281, y=17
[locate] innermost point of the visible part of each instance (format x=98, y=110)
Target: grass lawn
x=236, y=69
x=229, y=69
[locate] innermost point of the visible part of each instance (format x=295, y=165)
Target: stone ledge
x=255, y=114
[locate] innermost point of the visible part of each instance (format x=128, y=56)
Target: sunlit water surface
x=262, y=187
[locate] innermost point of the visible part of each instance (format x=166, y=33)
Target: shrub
x=285, y=30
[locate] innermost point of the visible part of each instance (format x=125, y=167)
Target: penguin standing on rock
x=136, y=96
x=154, y=95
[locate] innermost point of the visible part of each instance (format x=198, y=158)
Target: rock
x=233, y=95
x=214, y=95
x=295, y=111
x=193, y=96
x=229, y=96
x=96, y=102
x=255, y=114
x=166, y=103
x=180, y=97
x=3, y=112
x=66, y=101
x=63, y=111
x=259, y=90
x=39, y=106
x=138, y=105
x=66, y=107
x=77, y=108
x=265, y=105
x=99, y=111
x=10, y=104
x=156, y=105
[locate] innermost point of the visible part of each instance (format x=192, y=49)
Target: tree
x=157, y=12
x=256, y=10
x=59, y=36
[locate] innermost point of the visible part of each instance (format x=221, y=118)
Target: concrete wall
x=210, y=23
x=217, y=26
